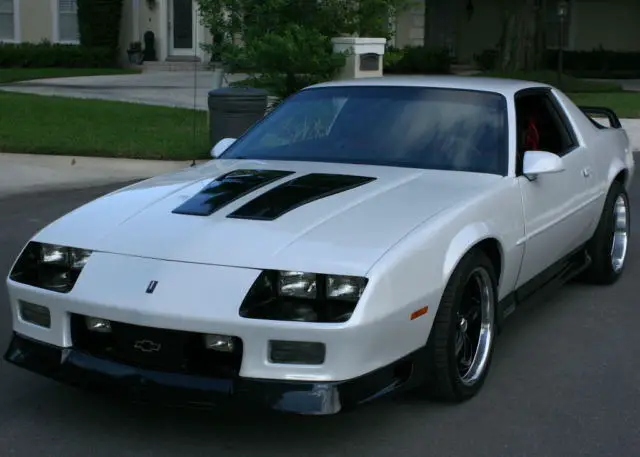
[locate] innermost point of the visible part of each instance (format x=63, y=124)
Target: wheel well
x=491, y=247
x=621, y=177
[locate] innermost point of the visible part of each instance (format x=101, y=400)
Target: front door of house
x=181, y=27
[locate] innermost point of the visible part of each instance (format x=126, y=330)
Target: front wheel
x=460, y=345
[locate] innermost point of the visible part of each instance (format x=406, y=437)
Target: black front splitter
x=77, y=368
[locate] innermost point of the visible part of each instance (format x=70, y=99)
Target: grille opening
x=158, y=349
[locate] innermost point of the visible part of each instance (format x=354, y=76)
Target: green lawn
x=67, y=126
x=582, y=92
x=625, y=104
x=10, y=75
x=567, y=84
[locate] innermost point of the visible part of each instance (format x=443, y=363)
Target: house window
x=8, y=14
x=68, y=21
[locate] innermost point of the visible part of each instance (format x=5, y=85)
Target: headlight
x=345, y=287
x=302, y=296
x=297, y=284
x=49, y=266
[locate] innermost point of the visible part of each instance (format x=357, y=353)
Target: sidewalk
x=25, y=172
x=632, y=126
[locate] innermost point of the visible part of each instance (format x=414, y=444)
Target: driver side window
x=541, y=126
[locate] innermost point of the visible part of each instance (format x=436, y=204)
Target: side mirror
x=541, y=163
x=221, y=146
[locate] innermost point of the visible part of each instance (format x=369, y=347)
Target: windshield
x=419, y=127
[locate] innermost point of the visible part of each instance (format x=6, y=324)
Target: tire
x=606, y=266
x=446, y=380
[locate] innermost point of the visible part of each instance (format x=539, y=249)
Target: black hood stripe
x=295, y=193
x=228, y=188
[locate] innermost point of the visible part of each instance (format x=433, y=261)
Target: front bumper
x=74, y=367
x=204, y=299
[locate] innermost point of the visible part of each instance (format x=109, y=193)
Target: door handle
x=586, y=172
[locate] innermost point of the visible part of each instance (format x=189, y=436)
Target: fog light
x=297, y=352
x=35, y=314
x=220, y=343
x=95, y=324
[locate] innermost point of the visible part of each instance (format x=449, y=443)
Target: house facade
x=175, y=23
x=35, y=20
x=465, y=27
x=468, y=27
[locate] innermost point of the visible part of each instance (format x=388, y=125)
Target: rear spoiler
x=597, y=111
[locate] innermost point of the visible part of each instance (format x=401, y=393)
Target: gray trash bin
x=232, y=110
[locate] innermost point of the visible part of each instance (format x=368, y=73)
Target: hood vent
x=227, y=189
x=296, y=193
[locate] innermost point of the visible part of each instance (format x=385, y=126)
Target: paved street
x=565, y=382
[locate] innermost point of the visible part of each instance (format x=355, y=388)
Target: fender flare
x=616, y=166
x=465, y=240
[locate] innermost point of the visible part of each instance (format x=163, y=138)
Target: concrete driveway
x=180, y=89
x=31, y=173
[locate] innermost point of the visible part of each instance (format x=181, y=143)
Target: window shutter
x=7, y=31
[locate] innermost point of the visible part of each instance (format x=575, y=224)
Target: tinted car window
x=429, y=128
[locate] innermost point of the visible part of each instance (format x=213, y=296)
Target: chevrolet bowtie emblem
x=147, y=346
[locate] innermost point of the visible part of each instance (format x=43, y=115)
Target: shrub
x=487, y=59
x=285, y=61
x=597, y=63
x=391, y=58
x=419, y=60
x=47, y=55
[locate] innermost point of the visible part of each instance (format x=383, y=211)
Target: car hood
x=319, y=217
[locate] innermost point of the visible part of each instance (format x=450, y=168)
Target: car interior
x=540, y=127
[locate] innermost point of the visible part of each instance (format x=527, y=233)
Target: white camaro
x=366, y=237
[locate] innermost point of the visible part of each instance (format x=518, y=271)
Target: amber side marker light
x=420, y=312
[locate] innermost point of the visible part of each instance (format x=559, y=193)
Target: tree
x=285, y=45
x=522, y=42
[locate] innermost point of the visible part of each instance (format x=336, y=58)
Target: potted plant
x=135, y=53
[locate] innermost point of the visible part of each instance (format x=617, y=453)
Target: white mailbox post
x=364, y=56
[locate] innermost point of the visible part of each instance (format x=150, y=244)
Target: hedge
x=598, y=63
x=417, y=60
x=48, y=55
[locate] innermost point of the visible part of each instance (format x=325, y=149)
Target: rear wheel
x=460, y=345
x=609, y=246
